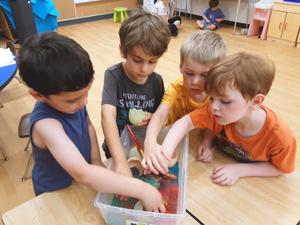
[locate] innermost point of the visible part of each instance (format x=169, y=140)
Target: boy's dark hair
x=51, y=63
x=142, y=29
x=213, y=3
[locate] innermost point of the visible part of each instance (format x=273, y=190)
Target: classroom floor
x=100, y=39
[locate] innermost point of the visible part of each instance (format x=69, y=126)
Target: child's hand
x=145, y=121
x=154, y=161
x=204, y=154
x=152, y=200
x=226, y=175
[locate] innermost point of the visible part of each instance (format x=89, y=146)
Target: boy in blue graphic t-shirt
x=212, y=17
x=132, y=84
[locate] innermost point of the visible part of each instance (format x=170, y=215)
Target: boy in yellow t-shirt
x=197, y=54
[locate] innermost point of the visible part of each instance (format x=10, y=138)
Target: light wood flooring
x=100, y=39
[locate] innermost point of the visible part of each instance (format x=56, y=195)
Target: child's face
x=138, y=65
x=194, y=74
x=230, y=107
x=68, y=101
x=214, y=8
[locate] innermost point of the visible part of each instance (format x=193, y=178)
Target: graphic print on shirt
x=236, y=151
x=130, y=101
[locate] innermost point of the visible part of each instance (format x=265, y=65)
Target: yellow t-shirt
x=180, y=101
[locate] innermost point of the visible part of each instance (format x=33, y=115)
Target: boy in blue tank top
x=59, y=74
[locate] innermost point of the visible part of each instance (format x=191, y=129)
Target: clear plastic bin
x=121, y=216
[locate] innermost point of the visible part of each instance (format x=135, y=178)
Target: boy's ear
x=37, y=95
x=257, y=100
x=121, y=51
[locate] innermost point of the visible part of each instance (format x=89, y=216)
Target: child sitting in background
x=250, y=132
x=164, y=13
x=59, y=74
x=198, y=53
x=212, y=17
x=133, y=83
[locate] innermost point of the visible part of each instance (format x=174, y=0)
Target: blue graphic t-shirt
x=124, y=94
x=213, y=15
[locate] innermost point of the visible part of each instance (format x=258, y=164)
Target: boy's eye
x=189, y=74
x=71, y=101
x=137, y=60
x=153, y=62
x=225, y=102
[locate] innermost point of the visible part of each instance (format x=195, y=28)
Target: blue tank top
x=47, y=174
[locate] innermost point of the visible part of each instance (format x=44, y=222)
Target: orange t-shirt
x=274, y=143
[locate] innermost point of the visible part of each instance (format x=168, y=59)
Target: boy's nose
x=83, y=102
x=214, y=106
x=198, y=80
x=145, y=67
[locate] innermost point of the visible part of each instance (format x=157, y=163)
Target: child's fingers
x=207, y=156
x=147, y=171
x=163, y=165
x=224, y=182
x=162, y=208
x=220, y=179
x=217, y=173
x=157, y=166
x=151, y=167
x=217, y=169
x=144, y=164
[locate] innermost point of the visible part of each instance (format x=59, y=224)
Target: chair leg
x=121, y=17
x=27, y=145
x=115, y=19
x=25, y=175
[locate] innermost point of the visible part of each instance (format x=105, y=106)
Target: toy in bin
x=172, y=187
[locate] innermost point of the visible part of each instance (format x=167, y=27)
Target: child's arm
x=180, y=128
x=51, y=135
x=228, y=174
x=95, y=153
x=111, y=133
x=206, y=19
x=153, y=151
x=173, y=7
x=219, y=20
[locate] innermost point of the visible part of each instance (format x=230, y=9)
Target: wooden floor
x=100, y=39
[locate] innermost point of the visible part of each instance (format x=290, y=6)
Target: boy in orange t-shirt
x=244, y=127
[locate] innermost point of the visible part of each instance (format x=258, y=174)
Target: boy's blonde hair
x=142, y=29
x=205, y=47
x=250, y=74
